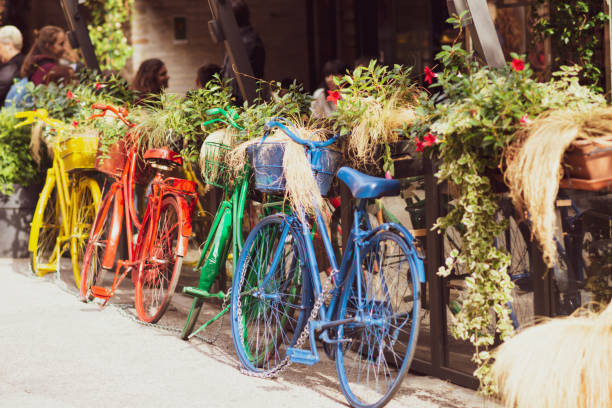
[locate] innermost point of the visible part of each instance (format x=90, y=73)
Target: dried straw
x=565, y=362
x=378, y=124
x=534, y=166
x=301, y=188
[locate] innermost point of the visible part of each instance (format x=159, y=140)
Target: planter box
x=16, y=213
x=590, y=159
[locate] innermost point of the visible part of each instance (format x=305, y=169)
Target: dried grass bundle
x=301, y=188
x=378, y=123
x=534, y=166
x=565, y=362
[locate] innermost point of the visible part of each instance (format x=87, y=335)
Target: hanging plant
x=468, y=126
x=109, y=25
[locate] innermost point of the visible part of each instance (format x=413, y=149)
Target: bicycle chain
x=285, y=362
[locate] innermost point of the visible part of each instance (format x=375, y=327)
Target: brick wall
x=281, y=25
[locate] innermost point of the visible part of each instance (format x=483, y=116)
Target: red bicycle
x=155, y=259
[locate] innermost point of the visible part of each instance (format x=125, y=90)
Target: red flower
x=333, y=96
x=75, y=123
x=430, y=140
x=99, y=86
x=429, y=75
x=388, y=175
x=517, y=64
x=419, y=144
x=525, y=120
x=69, y=95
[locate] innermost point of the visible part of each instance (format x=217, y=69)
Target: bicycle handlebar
x=275, y=123
x=38, y=114
x=229, y=114
x=119, y=112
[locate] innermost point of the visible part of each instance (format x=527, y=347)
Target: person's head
x=11, y=42
x=152, y=76
x=50, y=41
x=333, y=69
x=241, y=12
x=206, y=73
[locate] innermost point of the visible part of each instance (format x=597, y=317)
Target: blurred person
x=11, y=57
x=321, y=106
x=252, y=42
x=205, y=74
x=43, y=57
x=150, y=80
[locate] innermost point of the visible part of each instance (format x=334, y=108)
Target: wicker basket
x=114, y=161
x=79, y=152
x=267, y=162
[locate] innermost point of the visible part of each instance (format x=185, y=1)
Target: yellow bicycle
x=68, y=202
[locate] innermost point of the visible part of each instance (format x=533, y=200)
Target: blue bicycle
x=370, y=323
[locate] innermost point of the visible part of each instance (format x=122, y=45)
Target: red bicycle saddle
x=164, y=154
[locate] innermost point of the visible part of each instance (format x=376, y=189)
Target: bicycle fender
x=38, y=213
x=417, y=259
x=185, y=220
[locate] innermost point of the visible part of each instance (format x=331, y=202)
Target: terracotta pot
x=590, y=159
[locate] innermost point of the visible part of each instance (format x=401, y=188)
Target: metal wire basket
x=212, y=161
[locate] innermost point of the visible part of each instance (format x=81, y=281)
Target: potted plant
x=18, y=188
x=374, y=105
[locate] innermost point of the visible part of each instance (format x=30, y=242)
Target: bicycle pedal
x=301, y=356
x=101, y=292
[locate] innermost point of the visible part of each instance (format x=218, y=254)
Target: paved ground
x=58, y=352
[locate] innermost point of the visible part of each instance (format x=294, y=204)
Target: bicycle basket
x=267, y=162
x=113, y=162
x=214, y=169
x=79, y=152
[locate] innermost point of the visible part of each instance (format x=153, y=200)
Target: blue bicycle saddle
x=364, y=186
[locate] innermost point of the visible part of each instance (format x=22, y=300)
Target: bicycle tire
x=390, y=293
x=46, y=228
x=92, y=272
x=264, y=326
x=160, y=267
x=84, y=202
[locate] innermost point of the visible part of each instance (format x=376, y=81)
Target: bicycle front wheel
x=269, y=308
x=376, y=349
x=85, y=201
x=44, y=248
x=160, y=268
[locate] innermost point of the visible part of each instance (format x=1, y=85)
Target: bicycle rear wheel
x=85, y=201
x=376, y=349
x=92, y=271
x=46, y=229
x=160, y=267
x=269, y=310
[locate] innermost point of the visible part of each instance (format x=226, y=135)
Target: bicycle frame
x=340, y=276
x=124, y=207
x=59, y=177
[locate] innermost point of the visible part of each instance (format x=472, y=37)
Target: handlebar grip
x=215, y=111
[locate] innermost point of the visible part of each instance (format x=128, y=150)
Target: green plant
x=16, y=163
x=109, y=24
x=174, y=120
x=575, y=29
x=292, y=103
x=375, y=103
x=467, y=125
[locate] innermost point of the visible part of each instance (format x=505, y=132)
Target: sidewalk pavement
x=58, y=352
